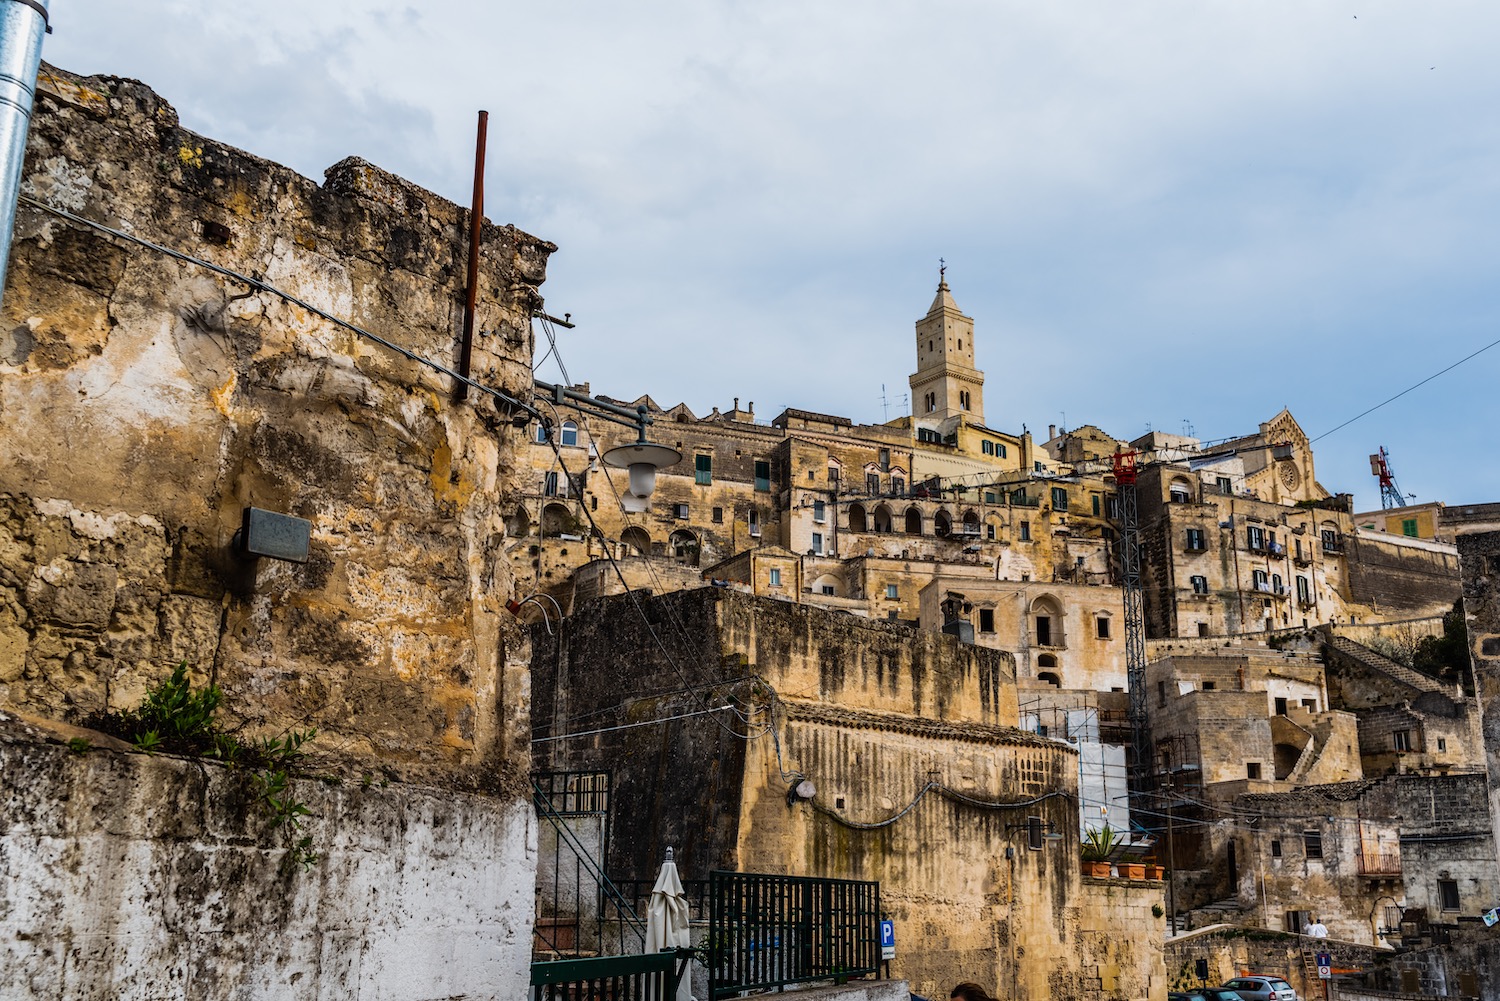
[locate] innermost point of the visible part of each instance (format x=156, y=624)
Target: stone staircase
x=1227, y=911
x=1375, y=661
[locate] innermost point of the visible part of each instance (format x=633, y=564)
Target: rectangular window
x=549, y=485
x=1101, y=625
x=990, y=497
x=1402, y=740
x=986, y=620
x=1276, y=848
x=884, y=460
x=718, y=516
x=1303, y=592
x=1200, y=584
x=1281, y=707
x=820, y=512
x=1261, y=583
x=1195, y=540
x=1252, y=770
x=1331, y=541
x=1025, y=534
x=833, y=475
x=679, y=510
x=989, y=531
x=828, y=589
x=817, y=543
x=1209, y=686
x=1312, y=844
x=1448, y=894
x=892, y=591
x=986, y=448
x=1224, y=485
x=1095, y=499
x=1059, y=499
x=703, y=471
x=872, y=484
x=1044, y=630
x=1276, y=585
x=898, y=486
x=775, y=578
x=762, y=476
x=754, y=523
x=1111, y=507
x=1037, y=467
x=1000, y=450
x=1255, y=538
x=1295, y=922
x=1442, y=743
x=1409, y=527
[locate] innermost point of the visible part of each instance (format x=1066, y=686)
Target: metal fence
x=638, y=893
x=645, y=977
x=768, y=931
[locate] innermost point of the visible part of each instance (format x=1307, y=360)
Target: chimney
x=1051, y=431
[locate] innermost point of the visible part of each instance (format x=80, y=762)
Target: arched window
x=857, y=518
x=1050, y=678
x=882, y=519
x=557, y=520
x=942, y=524
x=1182, y=491
x=971, y=523
x=913, y=521
x=827, y=584
x=637, y=541
x=684, y=547
x=1046, y=660
x=1047, y=622
x=569, y=433
x=518, y=525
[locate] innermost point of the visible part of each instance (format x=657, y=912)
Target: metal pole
x=1171, y=861
x=22, y=25
x=476, y=224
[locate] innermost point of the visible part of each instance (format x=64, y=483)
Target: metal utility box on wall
x=279, y=536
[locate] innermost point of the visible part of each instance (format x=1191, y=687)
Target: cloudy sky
x=1158, y=213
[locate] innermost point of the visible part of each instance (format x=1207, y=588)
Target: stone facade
x=147, y=402
x=880, y=717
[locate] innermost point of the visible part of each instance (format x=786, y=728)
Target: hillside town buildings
x=893, y=652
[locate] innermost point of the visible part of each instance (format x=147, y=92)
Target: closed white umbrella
x=667, y=919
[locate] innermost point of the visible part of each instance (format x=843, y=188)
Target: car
x=1204, y=994
x=1262, y=989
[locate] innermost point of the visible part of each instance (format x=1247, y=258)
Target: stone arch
x=942, y=524
x=1286, y=757
x=913, y=521
x=636, y=540
x=1047, y=622
x=557, y=520
x=971, y=523
x=857, y=521
x=882, y=518
x=683, y=547
x=518, y=525
x=828, y=580
x=1180, y=490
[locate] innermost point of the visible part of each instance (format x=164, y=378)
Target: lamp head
x=643, y=459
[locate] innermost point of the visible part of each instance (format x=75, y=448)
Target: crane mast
x=1125, y=468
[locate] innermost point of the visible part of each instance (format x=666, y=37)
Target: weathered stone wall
x=1114, y=965
x=1480, y=556
x=1398, y=576
x=1233, y=952
x=146, y=402
x=132, y=878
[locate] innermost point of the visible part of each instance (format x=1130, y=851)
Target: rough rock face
x=146, y=401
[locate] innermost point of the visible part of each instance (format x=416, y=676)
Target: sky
x=1161, y=215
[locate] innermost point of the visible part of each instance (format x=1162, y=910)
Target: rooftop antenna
x=885, y=406
x=1187, y=428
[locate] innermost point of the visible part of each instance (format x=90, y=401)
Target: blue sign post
x=887, y=939
x=1325, y=965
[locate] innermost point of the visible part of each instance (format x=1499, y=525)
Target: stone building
x=147, y=403
x=920, y=779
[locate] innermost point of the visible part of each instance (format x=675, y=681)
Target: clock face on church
x=1290, y=476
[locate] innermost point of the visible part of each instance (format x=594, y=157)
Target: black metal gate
x=766, y=931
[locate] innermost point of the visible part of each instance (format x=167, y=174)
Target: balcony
x=1275, y=549
x=1380, y=861
x=1303, y=557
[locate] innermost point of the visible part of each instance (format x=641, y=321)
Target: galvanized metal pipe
x=476, y=225
x=22, y=25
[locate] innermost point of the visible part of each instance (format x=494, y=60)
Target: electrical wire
x=264, y=286
x=628, y=726
x=942, y=790
x=1403, y=392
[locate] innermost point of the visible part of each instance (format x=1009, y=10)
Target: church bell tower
x=946, y=383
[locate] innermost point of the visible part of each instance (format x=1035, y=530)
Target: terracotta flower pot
x=1133, y=870
x=1099, y=870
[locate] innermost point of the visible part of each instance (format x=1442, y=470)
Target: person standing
x=1317, y=929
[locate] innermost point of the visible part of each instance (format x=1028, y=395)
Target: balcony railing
x=768, y=931
x=1380, y=861
x=645, y=977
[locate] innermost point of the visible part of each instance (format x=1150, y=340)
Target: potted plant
x=1098, y=844
x=1133, y=870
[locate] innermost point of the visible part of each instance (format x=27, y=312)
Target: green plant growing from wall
x=176, y=719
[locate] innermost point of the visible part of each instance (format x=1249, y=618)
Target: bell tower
x=946, y=383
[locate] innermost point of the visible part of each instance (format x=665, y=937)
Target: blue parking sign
x=887, y=939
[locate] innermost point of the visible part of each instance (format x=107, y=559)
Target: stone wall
x=125, y=877
x=1396, y=576
x=146, y=402
x=1232, y=952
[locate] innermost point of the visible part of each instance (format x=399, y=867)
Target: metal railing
x=1384, y=860
x=644, y=977
x=578, y=909
x=769, y=931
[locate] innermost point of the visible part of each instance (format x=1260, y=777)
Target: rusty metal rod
x=476, y=224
